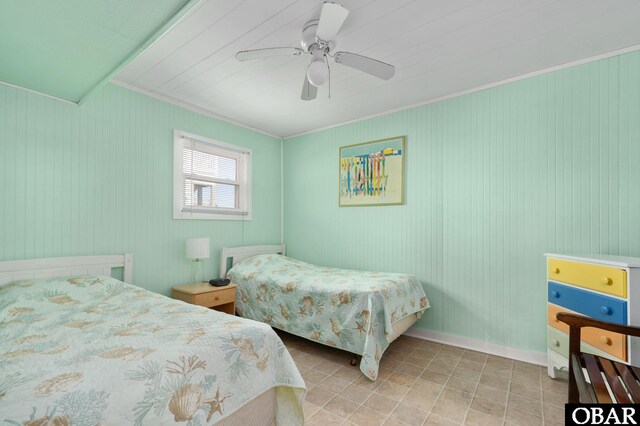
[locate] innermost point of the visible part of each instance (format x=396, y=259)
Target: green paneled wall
x=494, y=179
x=98, y=179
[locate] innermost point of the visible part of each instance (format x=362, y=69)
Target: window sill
x=211, y=216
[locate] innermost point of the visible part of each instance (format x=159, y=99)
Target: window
x=212, y=180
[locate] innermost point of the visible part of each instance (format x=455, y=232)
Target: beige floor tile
x=402, y=379
x=309, y=409
x=334, y=384
x=491, y=393
x=486, y=406
x=477, y=418
x=525, y=404
x=527, y=379
x=348, y=373
x=427, y=386
x=356, y=393
x=384, y=373
x=470, y=364
x=418, y=361
x=328, y=367
x=426, y=352
x=368, y=384
x=553, y=413
x=393, y=422
x=409, y=370
x=381, y=403
x=390, y=363
x=342, y=407
x=475, y=356
x=467, y=374
x=457, y=396
x=450, y=410
x=393, y=390
x=553, y=398
x=527, y=368
x=364, y=416
x=453, y=350
x=554, y=385
x=518, y=417
x=500, y=382
x=324, y=418
x=448, y=356
x=423, y=399
x=319, y=396
x=435, y=420
x=462, y=385
x=312, y=377
x=525, y=391
x=429, y=345
x=432, y=376
x=409, y=414
x=442, y=366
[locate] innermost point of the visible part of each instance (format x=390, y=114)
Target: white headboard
x=12, y=270
x=238, y=254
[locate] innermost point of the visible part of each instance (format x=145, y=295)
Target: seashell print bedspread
x=94, y=350
x=350, y=310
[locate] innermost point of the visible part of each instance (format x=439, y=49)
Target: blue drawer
x=594, y=305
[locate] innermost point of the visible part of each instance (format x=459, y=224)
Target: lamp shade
x=197, y=248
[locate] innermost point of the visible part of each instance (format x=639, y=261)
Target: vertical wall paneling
x=98, y=179
x=494, y=179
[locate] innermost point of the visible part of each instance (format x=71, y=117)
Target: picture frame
x=372, y=173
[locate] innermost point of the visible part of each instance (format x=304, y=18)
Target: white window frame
x=243, y=157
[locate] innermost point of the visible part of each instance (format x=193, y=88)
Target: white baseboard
x=539, y=358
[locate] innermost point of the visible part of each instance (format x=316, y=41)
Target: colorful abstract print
x=365, y=174
x=350, y=310
x=94, y=350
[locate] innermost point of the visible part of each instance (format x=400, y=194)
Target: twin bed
x=357, y=311
x=79, y=347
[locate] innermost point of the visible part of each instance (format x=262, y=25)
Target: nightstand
x=221, y=299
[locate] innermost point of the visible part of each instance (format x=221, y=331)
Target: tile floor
x=425, y=383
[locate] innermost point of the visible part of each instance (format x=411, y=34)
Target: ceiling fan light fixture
x=318, y=72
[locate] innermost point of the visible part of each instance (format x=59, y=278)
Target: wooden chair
x=610, y=381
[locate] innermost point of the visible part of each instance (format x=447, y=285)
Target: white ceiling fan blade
x=249, y=55
x=365, y=64
x=309, y=91
x=331, y=19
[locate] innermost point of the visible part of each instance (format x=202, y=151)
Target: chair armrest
x=579, y=321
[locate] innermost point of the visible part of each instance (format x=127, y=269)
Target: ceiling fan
x=318, y=40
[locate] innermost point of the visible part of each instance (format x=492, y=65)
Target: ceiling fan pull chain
x=329, y=68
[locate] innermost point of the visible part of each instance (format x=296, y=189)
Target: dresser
x=602, y=287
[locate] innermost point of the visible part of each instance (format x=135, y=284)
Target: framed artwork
x=372, y=173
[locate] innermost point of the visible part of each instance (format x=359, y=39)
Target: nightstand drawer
x=215, y=298
x=591, y=304
x=605, y=279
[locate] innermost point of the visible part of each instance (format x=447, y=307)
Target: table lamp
x=197, y=249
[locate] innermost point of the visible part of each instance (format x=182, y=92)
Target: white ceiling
x=439, y=48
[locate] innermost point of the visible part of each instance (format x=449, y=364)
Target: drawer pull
x=606, y=281
x=555, y=343
x=605, y=340
x=555, y=294
x=556, y=270
x=606, y=310
x=216, y=298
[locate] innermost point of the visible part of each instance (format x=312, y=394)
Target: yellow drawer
x=612, y=343
x=605, y=279
x=558, y=342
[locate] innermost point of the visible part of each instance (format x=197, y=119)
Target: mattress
x=94, y=350
x=351, y=310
